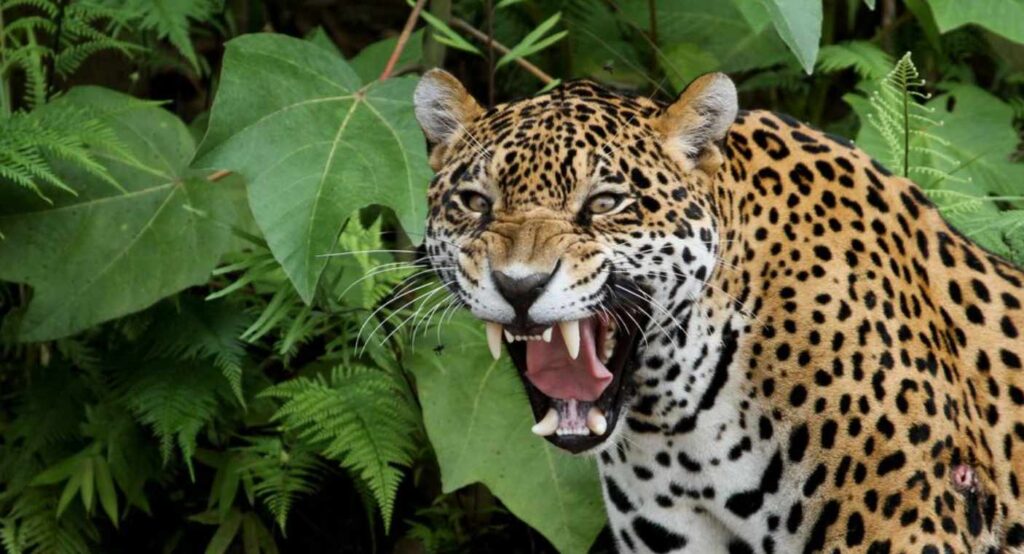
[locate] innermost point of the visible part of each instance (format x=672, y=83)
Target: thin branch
x=217, y=175
x=403, y=38
x=5, y=91
x=482, y=37
x=490, y=54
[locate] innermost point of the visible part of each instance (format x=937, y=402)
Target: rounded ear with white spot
x=699, y=118
x=443, y=106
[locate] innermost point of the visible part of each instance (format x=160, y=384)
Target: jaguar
x=768, y=341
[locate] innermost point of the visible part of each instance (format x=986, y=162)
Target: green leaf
x=105, y=489
x=359, y=418
x=447, y=35
x=314, y=145
x=225, y=534
x=685, y=62
x=534, y=41
x=370, y=61
x=868, y=60
x=738, y=35
x=870, y=4
x=1004, y=17
x=798, y=22
x=70, y=491
x=105, y=253
x=478, y=421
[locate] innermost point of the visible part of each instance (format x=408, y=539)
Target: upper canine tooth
x=547, y=425
x=547, y=334
x=571, y=336
x=596, y=421
x=494, y=339
x=509, y=337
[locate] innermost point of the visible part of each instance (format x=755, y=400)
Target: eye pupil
x=604, y=203
x=476, y=202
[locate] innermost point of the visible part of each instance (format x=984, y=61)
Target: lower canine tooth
x=596, y=421
x=509, y=337
x=571, y=336
x=547, y=425
x=547, y=334
x=494, y=339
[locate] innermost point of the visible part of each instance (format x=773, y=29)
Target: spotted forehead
x=545, y=146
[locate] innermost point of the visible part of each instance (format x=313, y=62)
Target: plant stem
x=652, y=12
x=51, y=61
x=502, y=49
x=434, y=51
x=906, y=130
x=490, y=53
x=402, y=39
x=5, y=90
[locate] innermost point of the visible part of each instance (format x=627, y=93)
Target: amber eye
x=475, y=202
x=604, y=203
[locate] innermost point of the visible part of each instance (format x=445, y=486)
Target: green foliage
x=903, y=120
x=478, y=421
x=352, y=417
x=330, y=168
x=798, y=22
x=154, y=231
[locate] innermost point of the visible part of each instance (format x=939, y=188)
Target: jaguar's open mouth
x=576, y=373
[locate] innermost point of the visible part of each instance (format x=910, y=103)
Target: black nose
x=521, y=292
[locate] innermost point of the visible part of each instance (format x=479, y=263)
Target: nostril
x=521, y=292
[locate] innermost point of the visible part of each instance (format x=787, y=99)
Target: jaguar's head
x=574, y=224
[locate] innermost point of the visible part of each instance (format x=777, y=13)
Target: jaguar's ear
x=443, y=106
x=698, y=119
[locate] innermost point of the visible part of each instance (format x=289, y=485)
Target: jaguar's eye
x=475, y=202
x=604, y=203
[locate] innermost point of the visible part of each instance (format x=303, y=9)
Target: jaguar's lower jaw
x=577, y=374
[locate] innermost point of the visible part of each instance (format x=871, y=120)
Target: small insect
x=609, y=66
x=439, y=349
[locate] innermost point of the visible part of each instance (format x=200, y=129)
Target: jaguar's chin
x=577, y=374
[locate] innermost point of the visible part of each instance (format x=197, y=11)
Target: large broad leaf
x=107, y=252
x=314, y=145
x=1005, y=17
x=478, y=420
x=799, y=24
x=735, y=36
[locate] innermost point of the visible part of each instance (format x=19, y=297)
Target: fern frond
x=171, y=20
x=32, y=526
x=902, y=119
x=353, y=417
x=30, y=142
x=204, y=330
x=176, y=399
x=280, y=474
x=868, y=60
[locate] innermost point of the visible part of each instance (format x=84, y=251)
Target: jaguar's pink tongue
x=550, y=369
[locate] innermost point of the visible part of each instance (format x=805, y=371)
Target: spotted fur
x=823, y=349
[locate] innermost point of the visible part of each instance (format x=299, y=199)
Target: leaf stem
x=502, y=49
x=410, y=23
x=906, y=129
x=5, y=88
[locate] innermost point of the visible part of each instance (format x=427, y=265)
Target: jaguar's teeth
x=509, y=337
x=608, y=348
x=494, y=339
x=548, y=333
x=571, y=336
x=596, y=421
x=547, y=425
